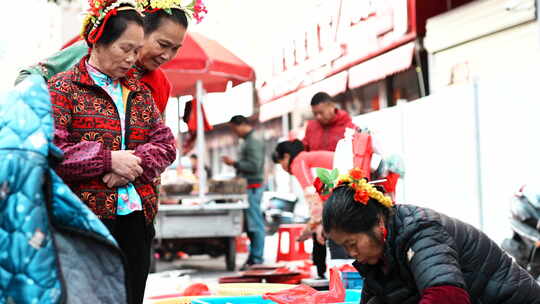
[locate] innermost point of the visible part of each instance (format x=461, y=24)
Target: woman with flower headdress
x=408, y=254
x=165, y=26
x=112, y=135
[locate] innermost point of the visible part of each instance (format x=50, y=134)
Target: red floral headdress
x=327, y=181
x=195, y=10
x=99, y=13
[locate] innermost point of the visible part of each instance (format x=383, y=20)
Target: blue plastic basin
x=352, y=280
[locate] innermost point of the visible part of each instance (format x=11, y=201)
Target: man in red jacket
x=323, y=133
x=328, y=127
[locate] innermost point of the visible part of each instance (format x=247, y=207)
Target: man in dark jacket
x=250, y=165
x=328, y=127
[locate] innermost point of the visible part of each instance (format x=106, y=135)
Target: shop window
x=347, y=102
x=367, y=98
x=375, y=96
x=359, y=100
x=404, y=86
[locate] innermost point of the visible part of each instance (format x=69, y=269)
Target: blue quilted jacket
x=53, y=249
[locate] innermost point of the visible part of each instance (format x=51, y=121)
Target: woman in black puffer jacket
x=408, y=254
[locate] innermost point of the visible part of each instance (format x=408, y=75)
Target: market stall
x=209, y=221
x=207, y=228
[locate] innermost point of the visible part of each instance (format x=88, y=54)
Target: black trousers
x=134, y=237
x=319, y=254
x=319, y=257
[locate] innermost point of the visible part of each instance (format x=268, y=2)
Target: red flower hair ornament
x=99, y=13
x=327, y=181
x=194, y=10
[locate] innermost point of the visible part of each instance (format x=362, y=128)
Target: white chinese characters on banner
x=340, y=33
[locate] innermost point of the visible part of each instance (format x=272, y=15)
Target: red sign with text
x=345, y=32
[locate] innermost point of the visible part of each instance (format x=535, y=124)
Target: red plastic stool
x=296, y=250
x=242, y=243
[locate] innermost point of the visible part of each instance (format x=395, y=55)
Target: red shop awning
x=377, y=68
x=201, y=58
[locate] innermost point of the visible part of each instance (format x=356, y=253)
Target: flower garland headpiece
x=99, y=12
x=327, y=181
x=195, y=10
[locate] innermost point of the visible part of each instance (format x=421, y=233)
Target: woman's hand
x=126, y=164
x=306, y=234
x=315, y=205
x=114, y=180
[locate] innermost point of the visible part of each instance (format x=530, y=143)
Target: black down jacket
x=427, y=249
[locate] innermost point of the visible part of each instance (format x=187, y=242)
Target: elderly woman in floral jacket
x=113, y=138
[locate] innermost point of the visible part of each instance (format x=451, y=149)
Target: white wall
x=510, y=145
x=35, y=30
x=28, y=33
x=440, y=136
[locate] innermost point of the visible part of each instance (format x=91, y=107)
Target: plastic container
x=352, y=280
x=351, y=296
x=249, y=289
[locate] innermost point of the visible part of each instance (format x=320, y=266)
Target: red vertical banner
x=190, y=113
x=192, y=121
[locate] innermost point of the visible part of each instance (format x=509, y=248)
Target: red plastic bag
x=362, y=151
x=308, y=295
x=347, y=268
x=298, y=294
x=196, y=289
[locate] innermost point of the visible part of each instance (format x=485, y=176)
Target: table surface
x=209, y=202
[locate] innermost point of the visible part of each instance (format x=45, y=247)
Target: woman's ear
x=287, y=157
x=382, y=228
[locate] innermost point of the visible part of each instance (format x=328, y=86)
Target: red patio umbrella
x=205, y=60
x=201, y=58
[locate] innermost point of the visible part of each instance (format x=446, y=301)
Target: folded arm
x=159, y=152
